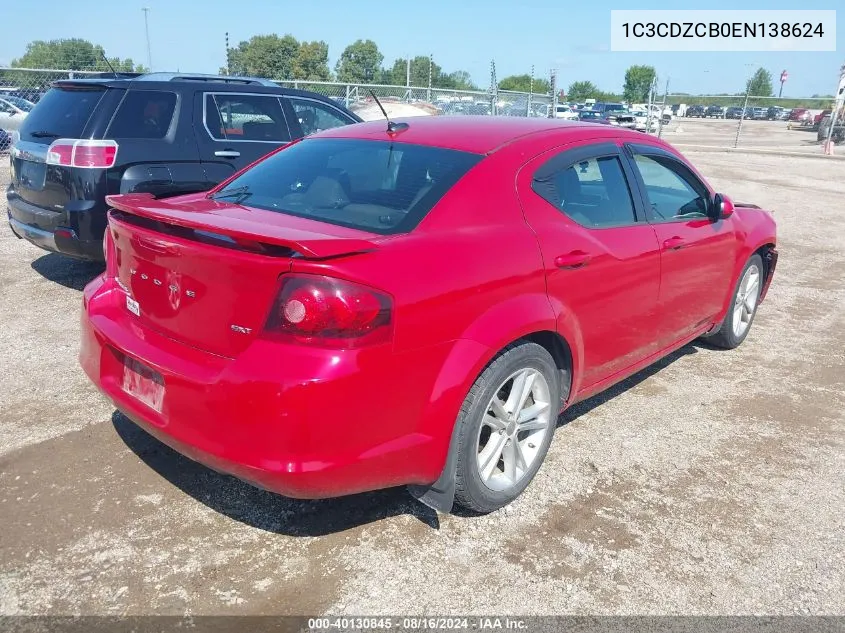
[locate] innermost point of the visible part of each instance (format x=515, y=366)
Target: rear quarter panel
x=465, y=283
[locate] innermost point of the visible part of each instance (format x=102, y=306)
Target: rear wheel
x=505, y=427
x=743, y=307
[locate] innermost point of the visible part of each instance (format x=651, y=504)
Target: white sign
x=712, y=30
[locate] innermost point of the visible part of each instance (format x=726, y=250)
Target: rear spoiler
x=242, y=227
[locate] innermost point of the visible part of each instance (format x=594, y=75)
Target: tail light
x=327, y=311
x=69, y=152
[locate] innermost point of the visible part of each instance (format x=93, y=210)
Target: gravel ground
x=712, y=483
x=758, y=135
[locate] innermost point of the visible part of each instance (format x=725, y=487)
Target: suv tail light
x=327, y=311
x=69, y=152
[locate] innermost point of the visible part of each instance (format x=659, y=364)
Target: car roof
x=475, y=134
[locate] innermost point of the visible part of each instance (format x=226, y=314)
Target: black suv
x=715, y=111
x=162, y=133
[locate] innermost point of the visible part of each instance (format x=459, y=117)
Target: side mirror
x=723, y=207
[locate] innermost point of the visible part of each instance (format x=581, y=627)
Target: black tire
x=726, y=337
x=470, y=491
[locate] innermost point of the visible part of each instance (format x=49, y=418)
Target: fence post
x=430, y=68
x=347, y=95
x=662, y=108
x=530, y=92
x=741, y=117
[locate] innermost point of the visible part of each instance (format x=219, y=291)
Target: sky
x=573, y=37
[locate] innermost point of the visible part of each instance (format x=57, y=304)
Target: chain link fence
x=724, y=121
x=750, y=122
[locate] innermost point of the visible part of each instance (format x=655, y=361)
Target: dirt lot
x=757, y=135
x=713, y=483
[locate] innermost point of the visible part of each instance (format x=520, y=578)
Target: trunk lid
x=205, y=273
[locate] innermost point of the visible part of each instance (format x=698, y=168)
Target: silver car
x=13, y=111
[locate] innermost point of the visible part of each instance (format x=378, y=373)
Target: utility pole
x=228, y=63
x=408, y=72
x=553, y=82
x=146, y=11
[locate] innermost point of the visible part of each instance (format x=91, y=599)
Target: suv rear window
x=143, y=114
x=375, y=186
x=61, y=113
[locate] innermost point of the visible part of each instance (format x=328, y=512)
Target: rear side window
x=143, y=114
x=375, y=186
x=236, y=117
x=61, y=113
x=593, y=192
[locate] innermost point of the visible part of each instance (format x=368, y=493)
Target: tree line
x=284, y=57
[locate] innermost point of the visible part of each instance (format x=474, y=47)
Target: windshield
x=586, y=114
x=377, y=186
x=61, y=113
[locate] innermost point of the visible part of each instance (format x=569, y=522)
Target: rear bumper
x=300, y=421
x=75, y=233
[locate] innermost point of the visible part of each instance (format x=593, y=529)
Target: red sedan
x=382, y=305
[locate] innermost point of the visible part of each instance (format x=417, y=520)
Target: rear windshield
x=375, y=186
x=61, y=113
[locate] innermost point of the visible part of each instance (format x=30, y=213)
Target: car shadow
x=585, y=406
x=264, y=510
x=271, y=512
x=67, y=271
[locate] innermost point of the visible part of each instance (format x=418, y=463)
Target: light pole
x=146, y=11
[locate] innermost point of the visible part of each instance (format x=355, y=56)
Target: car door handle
x=575, y=259
x=227, y=153
x=674, y=243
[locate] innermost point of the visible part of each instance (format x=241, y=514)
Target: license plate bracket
x=143, y=383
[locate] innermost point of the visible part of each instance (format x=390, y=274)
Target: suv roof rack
x=255, y=81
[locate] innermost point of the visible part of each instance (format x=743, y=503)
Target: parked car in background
x=817, y=118
x=696, y=111
x=733, y=112
x=269, y=329
x=715, y=112
x=160, y=133
x=759, y=113
x=600, y=106
x=777, y=113
x=643, y=122
x=590, y=116
x=5, y=141
x=13, y=112
x=801, y=115
x=566, y=112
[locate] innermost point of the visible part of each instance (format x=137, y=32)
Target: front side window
x=376, y=186
x=314, y=116
x=672, y=194
x=236, y=117
x=593, y=192
x=143, y=114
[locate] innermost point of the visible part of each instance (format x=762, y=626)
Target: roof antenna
x=108, y=63
x=392, y=126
